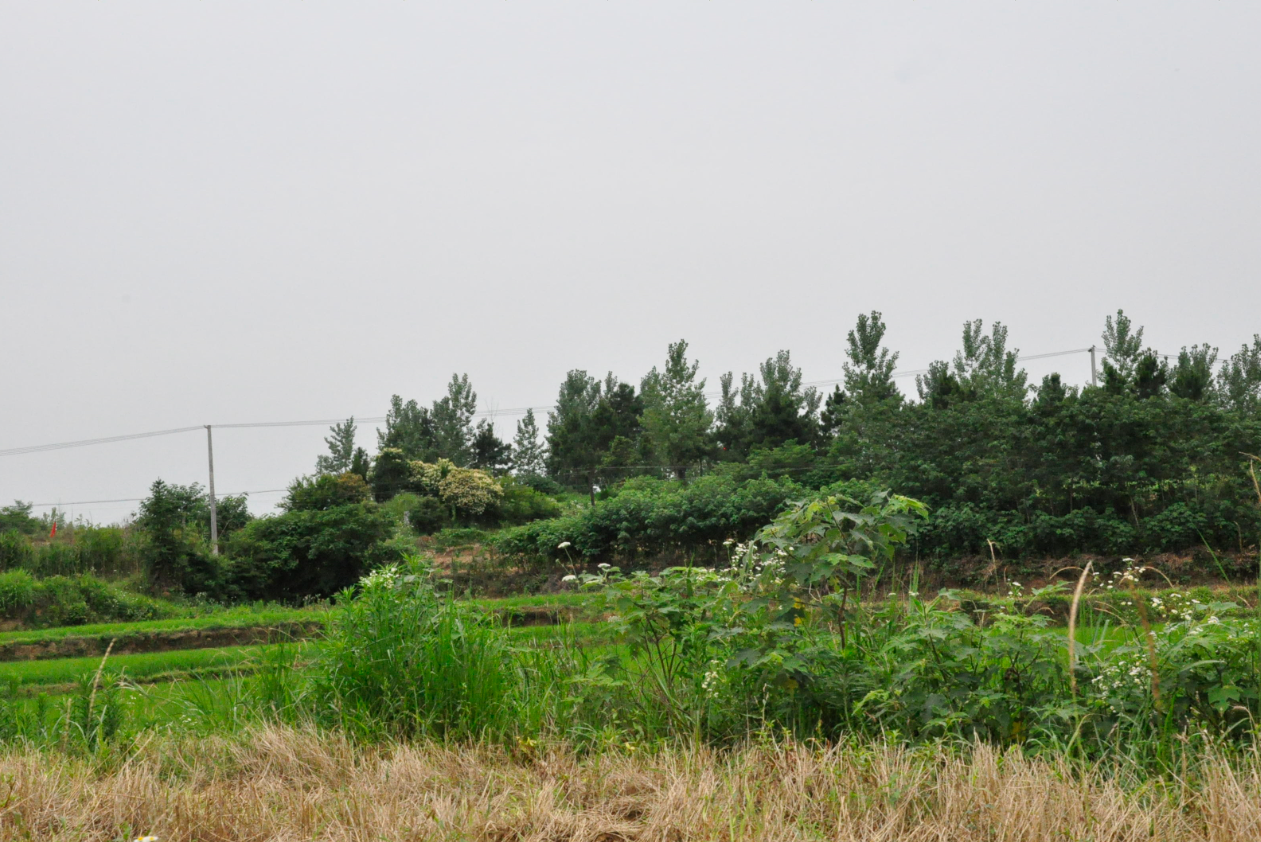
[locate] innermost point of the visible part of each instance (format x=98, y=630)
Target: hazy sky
x=228, y=212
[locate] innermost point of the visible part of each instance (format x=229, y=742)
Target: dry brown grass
x=288, y=785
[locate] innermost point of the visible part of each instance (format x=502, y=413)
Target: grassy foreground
x=277, y=783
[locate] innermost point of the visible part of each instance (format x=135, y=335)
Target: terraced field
x=225, y=645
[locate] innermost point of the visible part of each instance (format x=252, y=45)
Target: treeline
x=1156, y=457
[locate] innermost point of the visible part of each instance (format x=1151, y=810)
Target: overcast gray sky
x=228, y=212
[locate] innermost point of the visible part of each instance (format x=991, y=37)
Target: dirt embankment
x=156, y=641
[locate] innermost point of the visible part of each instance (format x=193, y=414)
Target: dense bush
x=649, y=517
x=305, y=553
x=19, y=518
x=778, y=639
x=522, y=503
x=101, y=550
x=326, y=491
x=400, y=660
x=71, y=601
x=1068, y=472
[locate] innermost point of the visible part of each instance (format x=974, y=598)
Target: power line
x=138, y=499
x=40, y=448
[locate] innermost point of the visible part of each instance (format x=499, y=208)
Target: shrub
x=15, y=550
x=72, y=600
x=469, y=492
x=307, y=553
x=174, y=551
x=649, y=517
x=427, y=515
x=400, y=661
x=521, y=504
x=326, y=491
x=18, y=518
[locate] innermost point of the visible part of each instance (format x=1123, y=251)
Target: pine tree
x=528, y=456
x=453, y=421
x=677, y=418
x=490, y=453
x=573, y=449
x=341, y=449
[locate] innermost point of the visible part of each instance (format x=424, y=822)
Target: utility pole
x=1094, y=372
x=214, y=512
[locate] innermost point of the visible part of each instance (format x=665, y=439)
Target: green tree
x=19, y=518
x=409, y=428
x=453, y=421
x=490, y=453
x=677, y=419
x=390, y=473
x=573, y=447
x=528, y=453
x=1192, y=377
x=1239, y=381
x=341, y=449
x=869, y=366
x=938, y=388
x=834, y=409
x=984, y=366
x=326, y=491
x=1123, y=346
x=174, y=551
x=617, y=429
x=773, y=409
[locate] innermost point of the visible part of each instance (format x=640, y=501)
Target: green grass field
x=247, y=617
x=147, y=666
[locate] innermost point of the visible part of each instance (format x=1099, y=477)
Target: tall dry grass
x=293, y=785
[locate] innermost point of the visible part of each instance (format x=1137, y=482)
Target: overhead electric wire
x=138, y=499
x=39, y=448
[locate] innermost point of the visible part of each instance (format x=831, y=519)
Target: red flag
x=53, y=534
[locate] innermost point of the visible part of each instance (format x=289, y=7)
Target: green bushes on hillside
x=329, y=535
x=72, y=601
x=648, y=517
x=100, y=550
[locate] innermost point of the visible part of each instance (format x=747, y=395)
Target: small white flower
x=563, y=545
x=570, y=578
x=603, y=566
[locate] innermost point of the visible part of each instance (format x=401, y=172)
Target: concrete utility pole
x=214, y=512
x=1094, y=372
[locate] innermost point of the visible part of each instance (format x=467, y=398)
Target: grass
x=244, y=617
x=277, y=783
x=179, y=664
x=148, y=666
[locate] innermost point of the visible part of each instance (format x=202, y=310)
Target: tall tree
x=409, y=428
x=1123, y=345
x=733, y=418
x=833, y=415
x=490, y=453
x=1192, y=376
x=528, y=453
x=938, y=388
x=1239, y=381
x=572, y=444
x=985, y=366
x=453, y=421
x=617, y=429
x=869, y=366
x=341, y=449
x=773, y=409
x=677, y=418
